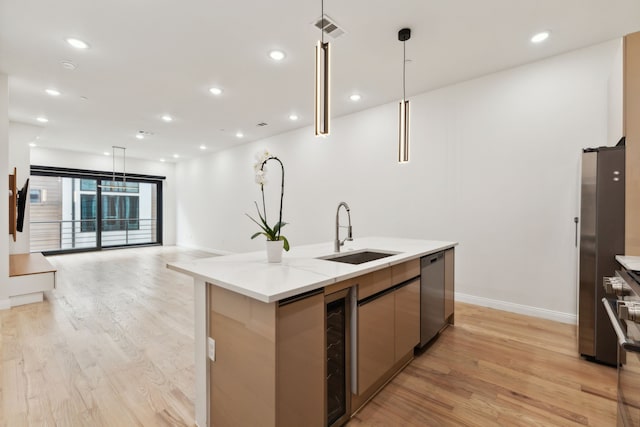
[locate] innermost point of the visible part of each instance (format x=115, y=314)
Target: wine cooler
x=338, y=399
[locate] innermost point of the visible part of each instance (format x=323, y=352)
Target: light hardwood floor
x=113, y=346
x=495, y=368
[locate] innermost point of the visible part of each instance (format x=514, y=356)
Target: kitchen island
x=268, y=337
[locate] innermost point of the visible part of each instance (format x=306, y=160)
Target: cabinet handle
x=575, y=219
x=302, y=296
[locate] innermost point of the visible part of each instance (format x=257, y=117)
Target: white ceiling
x=155, y=57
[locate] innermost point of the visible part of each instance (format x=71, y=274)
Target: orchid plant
x=271, y=233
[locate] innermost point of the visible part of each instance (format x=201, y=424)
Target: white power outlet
x=212, y=349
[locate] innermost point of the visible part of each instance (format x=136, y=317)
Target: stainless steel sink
x=359, y=257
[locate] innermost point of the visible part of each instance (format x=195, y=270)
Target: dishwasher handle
x=430, y=259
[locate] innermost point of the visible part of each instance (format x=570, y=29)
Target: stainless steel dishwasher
x=431, y=296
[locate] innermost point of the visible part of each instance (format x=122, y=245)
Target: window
x=120, y=213
x=88, y=211
x=35, y=195
x=75, y=209
x=88, y=185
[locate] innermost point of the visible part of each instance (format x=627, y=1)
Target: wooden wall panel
x=632, y=133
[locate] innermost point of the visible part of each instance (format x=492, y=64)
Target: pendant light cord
x=404, y=72
x=322, y=21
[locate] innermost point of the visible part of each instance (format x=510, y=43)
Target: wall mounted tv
x=23, y=195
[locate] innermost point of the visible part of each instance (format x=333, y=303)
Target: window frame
x=101, y=177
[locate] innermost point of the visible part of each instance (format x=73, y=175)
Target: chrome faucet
x=339, y=243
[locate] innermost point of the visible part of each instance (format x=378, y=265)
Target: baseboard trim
x=5, y=304
x=34, y=297
x=512, y=307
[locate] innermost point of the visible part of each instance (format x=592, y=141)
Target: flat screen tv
x=23, y=195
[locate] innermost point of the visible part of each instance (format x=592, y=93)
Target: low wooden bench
x=29, y=276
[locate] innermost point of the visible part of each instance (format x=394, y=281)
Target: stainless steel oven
x=624, y=314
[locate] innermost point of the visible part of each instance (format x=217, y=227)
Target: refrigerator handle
x=575, y=219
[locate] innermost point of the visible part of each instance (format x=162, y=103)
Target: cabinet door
x=376, y=353
x=300, y=363
x=407, y=316
x=373, y=283
x=448, y=285
x=405, y=271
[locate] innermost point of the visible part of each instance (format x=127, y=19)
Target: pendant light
x=403, y=138
x=322, y=82
x=114, y=186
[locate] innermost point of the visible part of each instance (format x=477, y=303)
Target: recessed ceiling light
x=175, y=156
x=77, y=43
x=106, y=153
x=32, y=144
x=167, y=118
x=540, y=37
x=293, y=117
x=53, y=92
x=277, y=55
x=163, y=160
x=142, y=134
x=239, y=135
x=69, y=65
x=355, y=97
x=203, y=147
x=215, y=90
x=42, y=119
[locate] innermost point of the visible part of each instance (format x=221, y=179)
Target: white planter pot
x=274, y=250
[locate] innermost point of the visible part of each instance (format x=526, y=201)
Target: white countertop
x=629, y=262
x=300, y=271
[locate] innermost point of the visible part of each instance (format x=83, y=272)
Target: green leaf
x=266, y=230
x=260, y=215
x=258, y=234
x=286, y=243
x=278, y=226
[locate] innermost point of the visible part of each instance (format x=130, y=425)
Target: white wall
x=72, y=159
x=20, y=135
x=4, y=200
x=494, y=166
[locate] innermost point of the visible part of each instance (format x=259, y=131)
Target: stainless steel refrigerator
x=601, y=239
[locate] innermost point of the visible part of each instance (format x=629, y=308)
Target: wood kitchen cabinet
x=407, y=319
x=406, y=271
x=449, y=290
x=292, y=344
x=269, y=360
x=373, y=283
x=376, y=339
x=278, y=358
x=300, y=381
x=631, y=113
x=388, y=319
